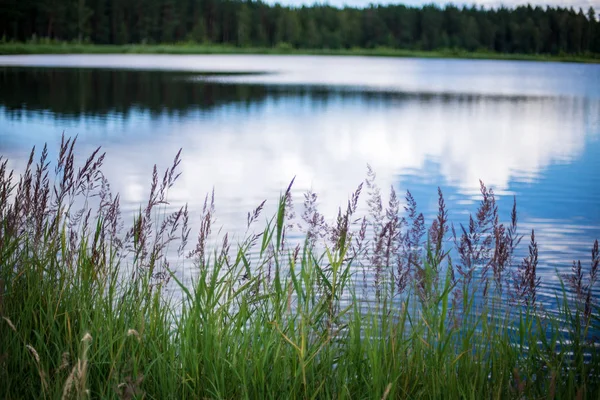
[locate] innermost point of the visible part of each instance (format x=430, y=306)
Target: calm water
x=526, y=129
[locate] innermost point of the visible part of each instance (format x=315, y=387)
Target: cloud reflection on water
x=250, y=151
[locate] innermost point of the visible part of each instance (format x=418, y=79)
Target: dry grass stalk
x=65, y=361
x=386, y=393
x=77, y=379
x=133, y=332
x=130, y=388
x=10, y=324
x=552, y=386
x=34, y=353
x=38, y=364
x=519, y=384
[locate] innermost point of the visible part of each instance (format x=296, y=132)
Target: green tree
x=312, y=38
x=244, y=25
x=288, y=28
x=470, y=34
x=350, y=29
x=523, y=29
x=430, y=24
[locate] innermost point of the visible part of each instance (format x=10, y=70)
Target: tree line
x=524, y=29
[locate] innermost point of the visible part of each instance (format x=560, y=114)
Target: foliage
x=85, y=309
x=282, y=48
x=522, y=30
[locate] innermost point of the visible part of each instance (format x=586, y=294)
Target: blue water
x=529, y=130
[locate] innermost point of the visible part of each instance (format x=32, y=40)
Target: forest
x=524, y=29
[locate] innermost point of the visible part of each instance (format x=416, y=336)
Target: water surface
x=529, y=130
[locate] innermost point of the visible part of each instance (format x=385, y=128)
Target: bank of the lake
x=15, y=48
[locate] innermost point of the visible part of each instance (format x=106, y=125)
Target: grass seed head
x=10, y=324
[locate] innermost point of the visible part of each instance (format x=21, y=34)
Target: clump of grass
x=369, y=306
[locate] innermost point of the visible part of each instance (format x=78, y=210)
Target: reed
x=376, y=306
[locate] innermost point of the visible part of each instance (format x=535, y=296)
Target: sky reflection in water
x=525, y=129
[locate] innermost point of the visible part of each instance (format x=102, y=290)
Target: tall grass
x=374, y=307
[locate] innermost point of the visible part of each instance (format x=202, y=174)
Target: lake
x=249, y=124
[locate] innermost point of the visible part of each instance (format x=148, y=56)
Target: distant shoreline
x=74, y=48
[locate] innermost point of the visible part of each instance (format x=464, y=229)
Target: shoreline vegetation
x=87, y=307
x=240, y=26
x=19, y=48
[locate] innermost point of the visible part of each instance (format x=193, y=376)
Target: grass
x=41, y=47
x=85, y=312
